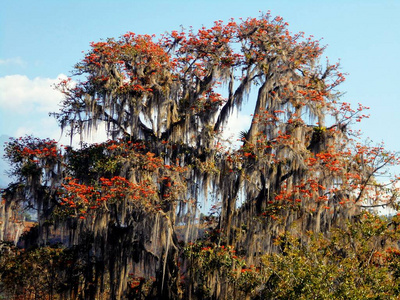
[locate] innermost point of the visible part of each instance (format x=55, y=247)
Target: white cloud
x=25, y=105
x=19, y=94
x=42, y=127
x=237, y=122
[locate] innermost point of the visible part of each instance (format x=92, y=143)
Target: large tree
x=130, y=212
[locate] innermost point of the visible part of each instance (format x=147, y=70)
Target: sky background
x=41, y=41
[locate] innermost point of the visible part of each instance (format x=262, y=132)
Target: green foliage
x=354, y=262
x=210, y=264
x=360, y=260
x=36, y=272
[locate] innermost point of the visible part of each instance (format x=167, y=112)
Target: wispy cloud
x=16, y=61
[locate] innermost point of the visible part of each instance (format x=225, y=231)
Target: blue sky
x=40, y=40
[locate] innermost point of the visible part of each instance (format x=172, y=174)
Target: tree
x=128, y=209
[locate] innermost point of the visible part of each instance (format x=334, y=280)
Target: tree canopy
x=127, y=218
